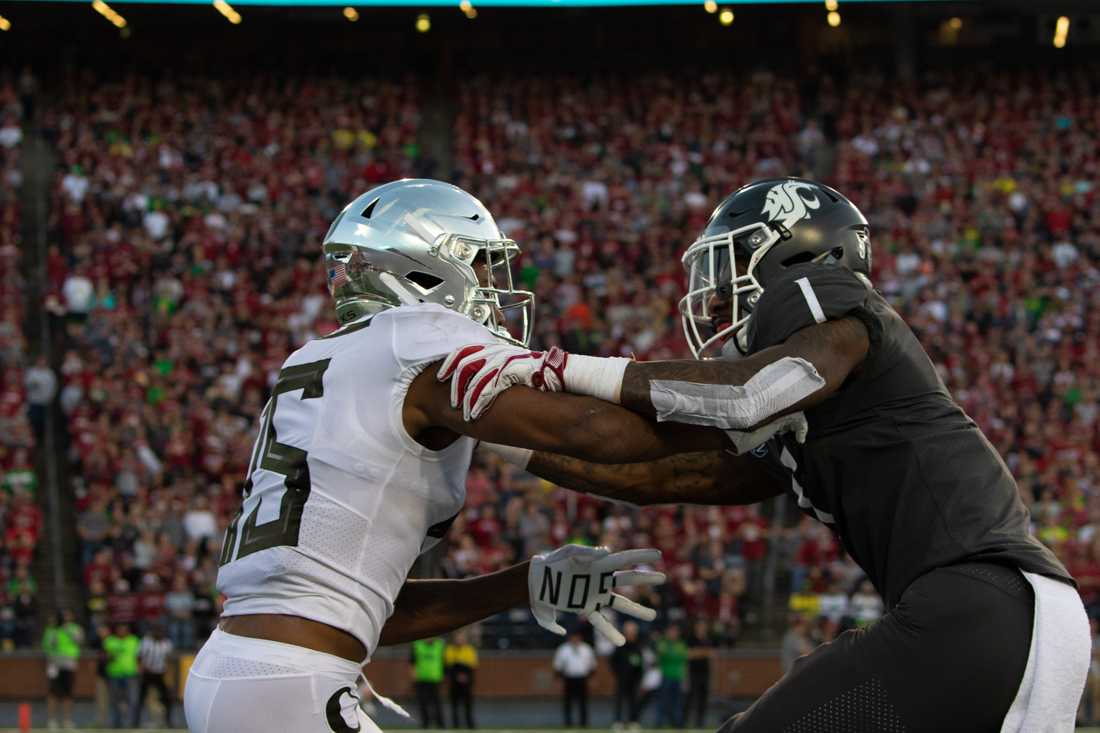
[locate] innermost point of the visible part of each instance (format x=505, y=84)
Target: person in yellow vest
x=427, y=674
x=61, y=642
x=460, y=659
x=121, y=649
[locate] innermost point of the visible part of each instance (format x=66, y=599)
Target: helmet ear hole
x=798, y=259
x=424, y=279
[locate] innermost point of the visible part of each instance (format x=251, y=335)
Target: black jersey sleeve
x=807, y=294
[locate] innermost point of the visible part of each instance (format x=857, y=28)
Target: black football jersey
x=902, y=475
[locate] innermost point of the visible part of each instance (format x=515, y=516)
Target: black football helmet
x=764, y=227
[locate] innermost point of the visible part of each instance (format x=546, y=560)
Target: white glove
x=743, y=442
x=480, y=372
x=580, y=580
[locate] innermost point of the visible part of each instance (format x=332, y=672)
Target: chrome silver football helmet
x=417, y=241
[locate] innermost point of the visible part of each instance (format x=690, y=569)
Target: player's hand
x=480, y=372
x=743, y=441
x=581, y=580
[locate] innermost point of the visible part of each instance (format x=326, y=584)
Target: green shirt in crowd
x=672, y=658
x=428, y=660
x=122, y=655
x=62, y=643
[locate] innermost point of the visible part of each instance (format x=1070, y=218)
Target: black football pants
x=949, y=657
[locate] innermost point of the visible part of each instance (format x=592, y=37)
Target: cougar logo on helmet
x=786, y=203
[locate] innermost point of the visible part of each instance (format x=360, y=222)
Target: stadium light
x=725, y=17
x=468, y=9
x=351, y=14
x=833, y=19
x=423, y=23
x=1061, y=31
x=109, y=13
x=5, y=24
x=710, y=6
x=227, y=10
x=831, y=5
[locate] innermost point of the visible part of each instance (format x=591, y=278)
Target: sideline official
x=575, y=662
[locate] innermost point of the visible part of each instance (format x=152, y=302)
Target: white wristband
x=596, y=376
x=518, y=457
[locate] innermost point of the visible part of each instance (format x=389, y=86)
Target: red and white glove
x=480, y=372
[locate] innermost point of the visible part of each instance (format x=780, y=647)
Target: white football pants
x=243, y=685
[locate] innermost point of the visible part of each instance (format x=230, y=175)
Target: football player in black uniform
x=826, y=393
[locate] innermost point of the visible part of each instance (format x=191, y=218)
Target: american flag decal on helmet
x=337, y=275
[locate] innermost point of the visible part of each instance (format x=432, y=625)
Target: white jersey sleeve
x=339, y=498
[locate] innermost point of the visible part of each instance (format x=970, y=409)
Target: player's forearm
x=791, y=377
x=579, y=426
x=583, y=427
x=686, y=478
x=427, y=608
x=636, y=390
x=613, y=435
x=708, y=477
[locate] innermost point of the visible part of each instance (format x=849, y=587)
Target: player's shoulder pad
x=806, y=294
x=426, y=332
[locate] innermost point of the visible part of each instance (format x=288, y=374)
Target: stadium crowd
x=20, y=517
x=180, y=268
x=185, y=225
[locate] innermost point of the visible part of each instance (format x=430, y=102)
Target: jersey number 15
x=286, y=460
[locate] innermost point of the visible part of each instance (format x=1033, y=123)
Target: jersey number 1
x=271, y=455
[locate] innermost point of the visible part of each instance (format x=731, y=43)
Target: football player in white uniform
x=360, y=465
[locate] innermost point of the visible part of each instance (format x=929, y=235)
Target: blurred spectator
x=460, y=658
x=796, y=642
x=41, y=385
x=180, y=607
x=154, y=654
x=19, y=478
x=8, y=627
x=121, y=648
x=96, y=606
x=427, y=674
x=672, y=658
x=833, y=603
x=700, y=652
x=25, y=607
x=806, y=600
x=866, y=605
x=627, y=665
x=575, y=662
x=61, y=642
x=651, y=680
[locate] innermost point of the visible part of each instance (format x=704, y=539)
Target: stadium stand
x=20, y=517
x=179, y=217
x=185, y=223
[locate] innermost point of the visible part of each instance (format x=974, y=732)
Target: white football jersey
x=340, y=500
